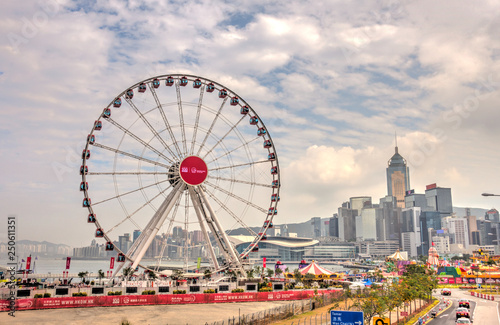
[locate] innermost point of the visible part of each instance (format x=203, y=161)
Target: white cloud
x=332, y=81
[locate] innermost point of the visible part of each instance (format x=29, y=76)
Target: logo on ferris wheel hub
x=193, y=170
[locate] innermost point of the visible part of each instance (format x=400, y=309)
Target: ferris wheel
x=182, y=163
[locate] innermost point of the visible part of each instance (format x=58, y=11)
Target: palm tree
x=83, y=275
x=100, y=275
x=250, y=273
x=207, y=274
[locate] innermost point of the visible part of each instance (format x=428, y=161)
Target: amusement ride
x=183, y=161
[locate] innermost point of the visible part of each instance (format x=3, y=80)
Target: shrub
x=79, y=294
x=46, y=295
x=265, y=289
x=179, y=292
x=116, y=293
x=38, y=295
x=237, y=290
x=209, y=291
x=149, y=292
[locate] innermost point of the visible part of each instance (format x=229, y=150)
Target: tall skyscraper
x=439, y=199
x=398, y=178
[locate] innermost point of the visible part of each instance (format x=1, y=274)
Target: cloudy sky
x=332, y=80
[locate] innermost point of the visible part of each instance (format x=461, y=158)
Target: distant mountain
x=37, y=248
x=478, y=212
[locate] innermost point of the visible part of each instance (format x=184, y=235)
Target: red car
x=462, y=312
x=464, y=303
x=446, y=292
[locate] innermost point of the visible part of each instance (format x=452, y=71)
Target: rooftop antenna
x=396, y=140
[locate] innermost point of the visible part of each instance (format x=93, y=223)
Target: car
x=446, y=292
x=462, y=312
x=464, y=303
x=461, y=321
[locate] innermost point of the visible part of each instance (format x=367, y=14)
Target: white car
x=463, y=321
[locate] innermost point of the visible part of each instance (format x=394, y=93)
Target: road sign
x=341, y=317
x=381, y=321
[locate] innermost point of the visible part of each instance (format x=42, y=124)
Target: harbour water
x=45, y=266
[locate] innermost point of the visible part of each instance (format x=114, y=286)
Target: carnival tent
x=397, y=256
x=315, y=270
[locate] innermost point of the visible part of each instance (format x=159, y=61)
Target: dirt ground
x=195, y=314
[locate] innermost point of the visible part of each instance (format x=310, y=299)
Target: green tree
x=278, y=272
x=371, y=302
x=250, y=273
x=152, y=275
x=82, y=275
x=128, y=272
x=100, y=275
x=207, y=274
x=269, y=272
x=297, y=275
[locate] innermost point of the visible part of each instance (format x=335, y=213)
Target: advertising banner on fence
x=161, y=299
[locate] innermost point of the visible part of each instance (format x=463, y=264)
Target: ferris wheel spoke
x=167, y=124
x=223, y=137
x=197, y=120
x=130, y=192
x=239, y=198
x=130, y=155
x=129, y=217
x=239, y=165
x=151, y=128
x=239, y=181
x=235, y=217
x=130, y=173
x=231, y=151
x=135, y=137
x=181, y=116
x=212, y=125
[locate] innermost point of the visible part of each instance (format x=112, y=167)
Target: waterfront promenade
x=193, y=314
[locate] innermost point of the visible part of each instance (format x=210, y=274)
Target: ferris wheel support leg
x=210, y=224
x=196, y=204
x=159, y=218
x=234, y=257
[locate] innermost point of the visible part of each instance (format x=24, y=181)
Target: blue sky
x=332, y=81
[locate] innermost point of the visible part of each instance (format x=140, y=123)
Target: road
x=484, y=312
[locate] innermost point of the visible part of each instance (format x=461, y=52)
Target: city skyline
x=332, y=82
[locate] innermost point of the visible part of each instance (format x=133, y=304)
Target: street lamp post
x=489, y=194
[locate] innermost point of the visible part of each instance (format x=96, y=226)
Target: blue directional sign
x=340, y=317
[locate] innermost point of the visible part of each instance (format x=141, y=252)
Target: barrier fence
x=160, y=299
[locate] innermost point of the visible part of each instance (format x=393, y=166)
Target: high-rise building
x=398, y=178
x=492, y=215
x=415, y=200
x=392, y=218
x=439, y=199
x=334, y=226
x=136, y=234
x=429, y=221
x=473, y=233
x=360, y=202
x=458, y=227
x=347, y=223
